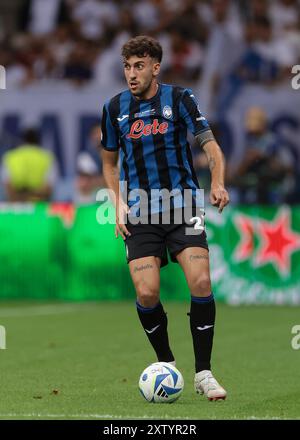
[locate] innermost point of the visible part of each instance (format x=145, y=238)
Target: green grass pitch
x=71, y=360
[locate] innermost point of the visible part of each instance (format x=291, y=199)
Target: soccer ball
x=161, y=382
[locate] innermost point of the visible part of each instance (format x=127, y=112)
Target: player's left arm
x=218, y=194
x=198, y=125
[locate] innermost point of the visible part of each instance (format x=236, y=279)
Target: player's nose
x=132, y=74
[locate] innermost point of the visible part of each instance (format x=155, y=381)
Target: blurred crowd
x=80, y=40
x=214, y=45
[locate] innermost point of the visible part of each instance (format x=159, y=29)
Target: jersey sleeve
x=189, y=111
x=109, y=136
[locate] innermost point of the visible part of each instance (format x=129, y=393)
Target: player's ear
x=156, y=69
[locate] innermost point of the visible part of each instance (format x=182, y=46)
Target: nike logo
x=204, y=328
x=202, y=118
x=122, y=118
x=152, y=329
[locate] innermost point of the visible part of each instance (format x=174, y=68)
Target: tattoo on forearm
x=198, y=257
x=138, y=268
x=211, y=163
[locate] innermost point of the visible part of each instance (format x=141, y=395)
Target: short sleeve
x=189, y=111
x=109, y=137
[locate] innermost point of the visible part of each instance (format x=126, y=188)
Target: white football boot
x=206, y=384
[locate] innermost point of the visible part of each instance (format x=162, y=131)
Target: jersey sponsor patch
x=139, y=128
x=145, y=113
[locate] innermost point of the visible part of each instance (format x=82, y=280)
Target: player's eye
x=140, y=66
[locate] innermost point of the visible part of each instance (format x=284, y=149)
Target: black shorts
x=156, y=239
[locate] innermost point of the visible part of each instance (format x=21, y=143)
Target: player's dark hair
x=142, y=46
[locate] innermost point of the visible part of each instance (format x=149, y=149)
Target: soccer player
x=147, y=124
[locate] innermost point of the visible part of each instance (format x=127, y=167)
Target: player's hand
x=121, y=211
x=219, y=197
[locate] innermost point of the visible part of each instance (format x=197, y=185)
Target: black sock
x=150, y=318
x=202, y=321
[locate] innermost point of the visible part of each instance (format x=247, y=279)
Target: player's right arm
x=111, y=176
x=111, y=173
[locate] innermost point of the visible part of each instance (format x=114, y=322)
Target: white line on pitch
x=127, y=417
x=85, y=416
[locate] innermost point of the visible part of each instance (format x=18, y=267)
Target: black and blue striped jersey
x=151, y=136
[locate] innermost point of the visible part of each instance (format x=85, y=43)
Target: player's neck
x=149, y=93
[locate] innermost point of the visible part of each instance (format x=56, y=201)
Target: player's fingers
x=122, y=218
x=116, y=232
x=212, y=198
x=125, y=230
x=224, y=202
x=121, y=224
x=215, y=199
x=225, y=198
x=222, y=205
x=120, y=231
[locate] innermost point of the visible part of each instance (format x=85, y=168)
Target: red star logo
x=245, y=247
x=66, y=211
x=278, y=242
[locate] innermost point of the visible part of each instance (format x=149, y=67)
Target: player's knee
x=148, y=296
x=201, y=285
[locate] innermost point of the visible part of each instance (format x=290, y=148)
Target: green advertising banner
x=59, y=251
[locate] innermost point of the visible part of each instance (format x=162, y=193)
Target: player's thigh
x=146, y=240
x=145, y=274
x=195, y=265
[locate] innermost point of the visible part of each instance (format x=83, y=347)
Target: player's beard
x=140, y=93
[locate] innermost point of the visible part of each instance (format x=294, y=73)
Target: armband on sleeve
x=203, y=138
